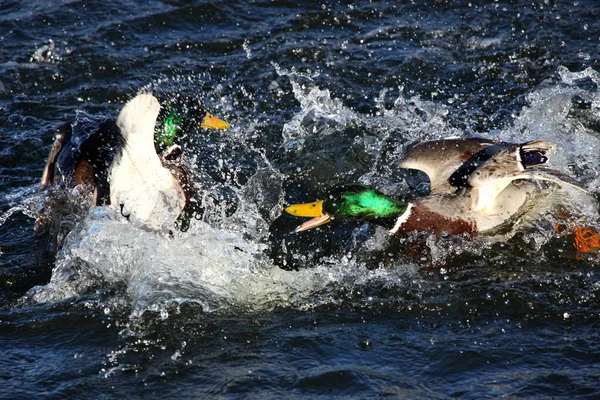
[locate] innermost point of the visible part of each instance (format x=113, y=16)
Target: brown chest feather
x=423, y=220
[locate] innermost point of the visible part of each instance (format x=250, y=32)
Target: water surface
x=318, y=95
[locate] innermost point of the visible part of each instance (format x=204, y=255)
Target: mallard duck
x=475, y=185
x=119, y=158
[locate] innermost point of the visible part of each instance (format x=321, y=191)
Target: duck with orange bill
x=476, y=185
x=133, y=162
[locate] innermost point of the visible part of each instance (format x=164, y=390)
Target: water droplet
x=164, y=314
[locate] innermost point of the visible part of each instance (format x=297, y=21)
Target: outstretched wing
x=517, y=161
x=439, y=159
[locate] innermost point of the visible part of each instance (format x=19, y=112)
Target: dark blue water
x=318, y=94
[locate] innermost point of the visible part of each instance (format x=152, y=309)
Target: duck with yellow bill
x=133, y=162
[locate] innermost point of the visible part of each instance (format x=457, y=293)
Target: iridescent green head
x=353, y=203
x=178, y=118
x=166, y=132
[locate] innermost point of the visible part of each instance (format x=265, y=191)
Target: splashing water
x=214, y=268
x=222, y=266
x=553, y=112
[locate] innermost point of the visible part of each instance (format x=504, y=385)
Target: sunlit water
x=318, y=96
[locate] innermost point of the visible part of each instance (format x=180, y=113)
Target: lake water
x=319, y=94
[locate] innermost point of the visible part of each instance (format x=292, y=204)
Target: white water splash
x=222, y=266
x=218, y=269
x=320, y=114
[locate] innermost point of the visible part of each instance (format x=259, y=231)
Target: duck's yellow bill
x=314, y=209
x=212, y=122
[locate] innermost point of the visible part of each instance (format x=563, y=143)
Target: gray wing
x=439, y=159
x=518, y=161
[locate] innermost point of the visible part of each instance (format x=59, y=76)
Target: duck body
x=475, y=185
x=451, y=214
x=119, y=159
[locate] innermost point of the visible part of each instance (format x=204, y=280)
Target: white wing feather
x=147, y=192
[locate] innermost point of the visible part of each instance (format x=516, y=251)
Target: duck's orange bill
x=212, y=122
x=314, y=209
